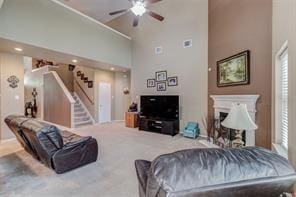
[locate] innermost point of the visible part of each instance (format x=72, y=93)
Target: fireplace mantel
x=223, y=103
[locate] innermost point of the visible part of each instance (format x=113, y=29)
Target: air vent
x=187, y=43
x=158, y=50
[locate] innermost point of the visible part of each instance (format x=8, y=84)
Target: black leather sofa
x=244, y=172
x=60, y=150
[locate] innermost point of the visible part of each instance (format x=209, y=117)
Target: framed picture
x=71, y=67
x=150, y=83
x=82, y=76
x=90, y=84
x=161, y=86
x=234, y=70
x=172, y=81
x=161, y=76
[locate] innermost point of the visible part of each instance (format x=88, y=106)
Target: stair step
x=81, y=119
x=79, y=124
x=77, y=110
x=80, y=114
x=77, y=105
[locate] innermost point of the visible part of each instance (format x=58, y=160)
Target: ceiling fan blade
x=118, y=12
x=152, y=1
x=155, y=15
x=136, y=21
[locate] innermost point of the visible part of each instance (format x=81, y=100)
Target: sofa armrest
x=78, y=143
x=142, y=169
x=75, y=154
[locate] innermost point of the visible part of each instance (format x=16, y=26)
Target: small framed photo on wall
x=90, y=84
x=150, y=83
x=161, y=76
x=172, y=81
x=161, y=86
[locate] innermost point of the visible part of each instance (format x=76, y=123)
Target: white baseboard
x=117, y=120
x=8, y=141
x=208, y=144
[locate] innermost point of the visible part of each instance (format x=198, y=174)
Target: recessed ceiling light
x=74, y=61
x=18, y=49
x=112, y=68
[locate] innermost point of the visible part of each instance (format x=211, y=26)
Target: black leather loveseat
x=249, y=171
x=59, y=150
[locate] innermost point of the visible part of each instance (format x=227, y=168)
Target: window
x=282, y=98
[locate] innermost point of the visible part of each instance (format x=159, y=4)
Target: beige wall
x=12, y=99
x=32, y=21
x=58, y=108
x=235, y=26
x=121, y=100
x=284, y=28
x=66, y=75
x=182, y=21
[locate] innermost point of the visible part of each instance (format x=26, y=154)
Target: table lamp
x=239, y=119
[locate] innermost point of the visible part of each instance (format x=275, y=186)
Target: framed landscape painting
x=234, y=70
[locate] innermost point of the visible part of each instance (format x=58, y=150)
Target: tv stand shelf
x=167, y=127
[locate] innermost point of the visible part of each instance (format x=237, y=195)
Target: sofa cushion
x=185, y=170
x=69, y=137
x=49, y=135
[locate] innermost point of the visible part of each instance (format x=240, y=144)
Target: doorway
x=104, y=102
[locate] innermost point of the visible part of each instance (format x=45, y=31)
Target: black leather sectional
x=249, y=171
x=60, y=150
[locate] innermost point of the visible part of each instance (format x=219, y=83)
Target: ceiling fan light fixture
x=139, y=8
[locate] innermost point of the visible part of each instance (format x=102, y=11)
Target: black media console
x=160, y=113
x=168, y=127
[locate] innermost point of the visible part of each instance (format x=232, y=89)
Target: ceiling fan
x=139, y=7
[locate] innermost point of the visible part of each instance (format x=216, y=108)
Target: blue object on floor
x=191, y=130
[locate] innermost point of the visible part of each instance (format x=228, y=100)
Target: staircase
x=81, y=116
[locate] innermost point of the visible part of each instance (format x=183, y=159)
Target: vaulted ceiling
x=98, y=9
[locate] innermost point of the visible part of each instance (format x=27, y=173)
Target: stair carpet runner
x=81, y=117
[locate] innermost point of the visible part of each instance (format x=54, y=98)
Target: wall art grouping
x=161, y=81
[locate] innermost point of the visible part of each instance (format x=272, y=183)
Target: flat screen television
x=160, y=107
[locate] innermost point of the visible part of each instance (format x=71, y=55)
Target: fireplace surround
x=223, y=103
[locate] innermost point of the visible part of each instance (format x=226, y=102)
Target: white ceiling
x=98, y=9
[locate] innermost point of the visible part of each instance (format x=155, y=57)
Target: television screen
x=160, y=107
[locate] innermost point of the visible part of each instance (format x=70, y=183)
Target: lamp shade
x=239, y=118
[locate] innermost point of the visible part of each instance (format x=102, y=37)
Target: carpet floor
x=112, y=175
